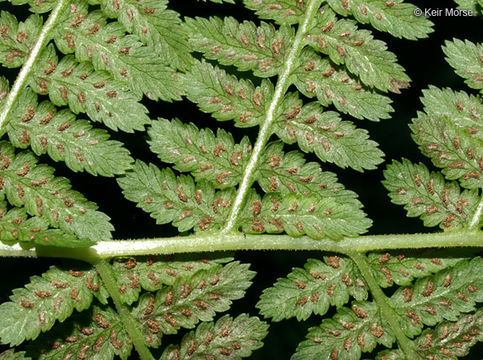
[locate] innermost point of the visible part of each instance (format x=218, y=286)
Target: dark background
x=424, y=63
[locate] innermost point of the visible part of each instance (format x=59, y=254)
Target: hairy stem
x=231, y=242
x=387, y=312
x=105, y=272
x=477, y=216
x=24, y=73
x=266, y=130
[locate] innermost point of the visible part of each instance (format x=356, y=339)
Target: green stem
x=475, y=220
x=24, y=73
x=231, y=242
x=105, y=272
x=266, y=130
x=387, y=312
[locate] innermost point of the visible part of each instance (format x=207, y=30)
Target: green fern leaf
x=317, y=77
x=36, y=6
x=124, y=56
x=428, y=196
x=16, y=39
x=65, y=138
x=233, y=338
x=448, y=341
x=151, y=274
x=45, y=300
x=282, y=11
x=25, y=183
x=311, y=290
x=467, y=60
x=12, y=355
x=85, y=90
x=358, y=51
x=324, y=133
x=444, y=295
x=154, y=25
x=394, y=17
x=226, y=97
x=248, y=47
x=98, y=335
x=176, y=199
x=473, y=5
x=298, y=215
x=214, y=158
x=16, y=227
x=402, y=268
x=190, y=300
x=349, y=333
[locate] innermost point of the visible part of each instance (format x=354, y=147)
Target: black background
x=424, y=63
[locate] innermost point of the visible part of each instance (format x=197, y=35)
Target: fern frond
x=394, y=17
x=65, y=138
x=282, y=11
x=298, y=215
x=428, y=196
x=311, y=290
x=17, y=38
x=401, y=268
x=450, y=135
x=179, y=200
x=12, y=355
x=25, y=183
x=97, y=335
x=358, y=51
x=444, y=295
x=47, y=299
x=467, y=60
x=324, y=133
x=93, y=92
x=36, y=6
x=449, y=340
x=261, y=49
x=190, y=300
x=151, y=274
x=317, y=77
x=234, y=338
x=155, y=25
x=226, y=97
x=214, y=158
x=124, y=56
x=349, y=333
x=17, y=227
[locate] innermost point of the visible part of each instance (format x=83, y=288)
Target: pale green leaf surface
x=358, y=51
x=311, y=290
x=36, y=6
x=17, y=227
x=402, y=268
x=349, y=333
x=98, y=335
x=151, y=273
x=467, y=60
x=444, y=295
x=24, y=183
x=191, y=300
x=317, y=77
x=324, y=133
x=215, y=158
x=124, y=56
x=47, y=299
x=428, y=196
x=12, y=355
x=83, y=89
x=226, y=97
x=395, y=17
x=17, y=38
x=65, y=138
x=234, y=338
x=282, y=11
x=179, y=200
x=154, y=25
x=261, y=49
